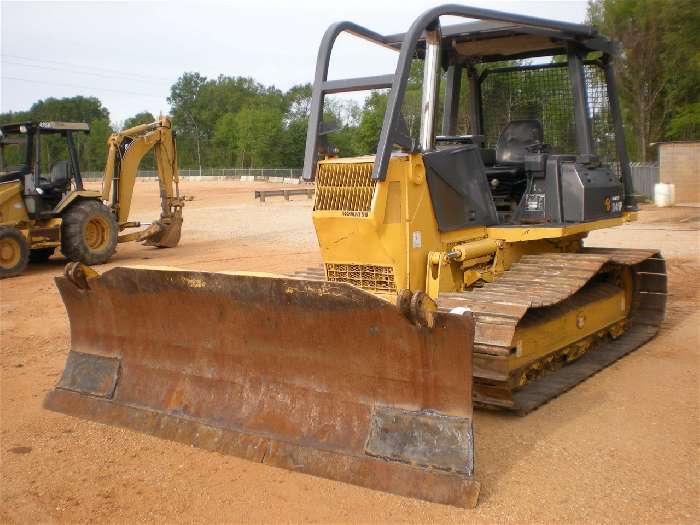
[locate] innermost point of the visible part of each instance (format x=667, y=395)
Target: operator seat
x=58, y=181
x=514, y=142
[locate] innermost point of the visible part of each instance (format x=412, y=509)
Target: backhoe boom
x=126, y=150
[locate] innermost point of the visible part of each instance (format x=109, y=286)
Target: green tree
x=70, y=109
x=184, y=104
x=685, y=122
x=257, y=136
x=371, y=119
x=148, y=162
x=294, y=143
x=94, y=153
x=343, y=116
x=225, y=136
x=91, y=148
x=198, y=106
x=683, y=43
x=658, y=67
x=297, y=102
x=144, y=117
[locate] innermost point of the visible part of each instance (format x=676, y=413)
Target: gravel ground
x=623, y=447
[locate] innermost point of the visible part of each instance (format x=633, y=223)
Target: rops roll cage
x=575, y=40
x=33, y=131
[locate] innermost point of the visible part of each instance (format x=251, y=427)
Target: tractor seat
x=516, y=139
x=507, y=175
x=58, y=181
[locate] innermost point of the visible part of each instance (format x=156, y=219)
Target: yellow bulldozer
x=454, y=273
x=42, y=211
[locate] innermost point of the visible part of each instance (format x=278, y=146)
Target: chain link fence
x=644, y=176
x=249, y=174
x=237, y=173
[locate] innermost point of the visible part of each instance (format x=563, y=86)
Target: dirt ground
x=622, y=447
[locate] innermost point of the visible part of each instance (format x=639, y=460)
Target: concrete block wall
x=679, y=164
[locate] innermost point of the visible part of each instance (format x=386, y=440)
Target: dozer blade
x=316, y=377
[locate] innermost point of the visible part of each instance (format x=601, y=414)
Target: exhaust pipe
x=431, y=85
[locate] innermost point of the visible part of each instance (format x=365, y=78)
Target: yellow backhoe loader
x=454, y=272
x=126, y=150
x=39, y=212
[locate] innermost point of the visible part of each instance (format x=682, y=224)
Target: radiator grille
x=366, y=276
x=344, y=187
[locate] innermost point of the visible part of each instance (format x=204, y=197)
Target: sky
x=128, y=54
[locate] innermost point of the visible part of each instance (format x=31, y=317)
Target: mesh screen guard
x=544, y=93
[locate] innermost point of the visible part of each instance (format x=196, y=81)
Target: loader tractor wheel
x=40, y=255
x=14, y=252
x=88, y=232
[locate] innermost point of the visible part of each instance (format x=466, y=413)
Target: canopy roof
x=45, y=127
x=488, y=40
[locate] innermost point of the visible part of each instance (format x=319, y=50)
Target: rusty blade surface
x=318, y=377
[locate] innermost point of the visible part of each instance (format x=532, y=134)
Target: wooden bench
x=286, y=193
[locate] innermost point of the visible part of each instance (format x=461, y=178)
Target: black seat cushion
x=509, y=171
x=514, y=140
x=59, y=178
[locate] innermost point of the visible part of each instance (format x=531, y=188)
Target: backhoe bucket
x=168, y=233
x=316, y=377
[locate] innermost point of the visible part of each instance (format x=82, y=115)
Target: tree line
x=658, y=70
x=238, y=122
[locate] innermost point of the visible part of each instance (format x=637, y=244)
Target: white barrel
x=664, y=194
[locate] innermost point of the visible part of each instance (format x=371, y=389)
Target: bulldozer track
x=543, y=286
